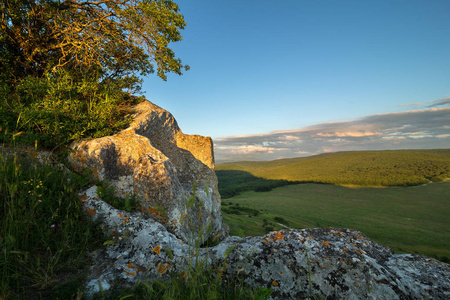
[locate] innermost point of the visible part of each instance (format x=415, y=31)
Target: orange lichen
x=277, y=236
x=345, y=249
x=274, y=283
x=130, y=265
x=326, y=243
x=162, y=268
x=360, y=252
x=155, y=214
x=90, y=211
x=157, y=249
x=84, y=197
x=132, y=274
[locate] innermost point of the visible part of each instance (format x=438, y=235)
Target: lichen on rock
x=163, y=167
x=332, y=263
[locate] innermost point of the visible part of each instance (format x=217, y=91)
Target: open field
x=408, y=219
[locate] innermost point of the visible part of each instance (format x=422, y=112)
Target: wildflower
x=39, y=201
x=53, y=226
x=120, y=238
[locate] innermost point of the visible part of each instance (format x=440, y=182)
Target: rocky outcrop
x=172, y=176
x=327, y=262
x=169, y=172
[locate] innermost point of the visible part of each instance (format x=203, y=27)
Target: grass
x=44, y=234
x=408, y=219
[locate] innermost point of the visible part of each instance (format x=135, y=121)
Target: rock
x=326, y=262
x=170, y=173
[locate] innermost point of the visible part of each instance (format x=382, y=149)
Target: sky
x=288, y=78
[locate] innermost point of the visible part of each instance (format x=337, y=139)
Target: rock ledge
x=330, y=262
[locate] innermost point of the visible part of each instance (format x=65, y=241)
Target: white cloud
x=245, y=149
x=417, y=129
x=348, y=134
x=291, y=138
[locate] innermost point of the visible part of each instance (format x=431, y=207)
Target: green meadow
x=398, y=198
x=408, y=219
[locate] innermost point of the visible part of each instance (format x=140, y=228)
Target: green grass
x=44, y=233
x=408, y=219
x=364, y=168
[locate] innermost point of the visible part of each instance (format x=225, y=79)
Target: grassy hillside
x=408, y=219
x=363, y=168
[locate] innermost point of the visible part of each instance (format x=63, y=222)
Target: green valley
x=410, y=219
x=361, y=168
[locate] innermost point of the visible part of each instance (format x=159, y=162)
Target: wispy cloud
x=428, y=104
x=440, y=102
x=416, y=129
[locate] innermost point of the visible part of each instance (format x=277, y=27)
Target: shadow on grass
x=234, y=182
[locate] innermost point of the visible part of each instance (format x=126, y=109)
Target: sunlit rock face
x=172, y=176
x=171, y=173
x=324, y=263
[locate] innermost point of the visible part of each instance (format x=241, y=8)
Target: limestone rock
x=297, y=264
x=170, y=173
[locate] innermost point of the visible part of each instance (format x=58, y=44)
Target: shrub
x=62, y=107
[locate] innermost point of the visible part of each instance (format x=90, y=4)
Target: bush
x=281, y=220
x=62, y=107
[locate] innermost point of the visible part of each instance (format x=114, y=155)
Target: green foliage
x=281, y=220
x=201, y=285
x=122, y=39
x=68, y=68
x=43, y=230
x=364, y=168
x=60, y=108
x=239, y=210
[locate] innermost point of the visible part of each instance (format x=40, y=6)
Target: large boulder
x=326, y=263
x=170, y=173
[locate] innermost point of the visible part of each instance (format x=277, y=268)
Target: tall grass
x=44, y=233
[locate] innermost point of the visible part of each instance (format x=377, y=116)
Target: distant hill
x=362, y=168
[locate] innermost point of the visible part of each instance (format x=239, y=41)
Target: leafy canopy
x=121, y=38
x=69, y=68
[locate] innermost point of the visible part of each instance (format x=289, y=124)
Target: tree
x=120, y=39
x=69, y=68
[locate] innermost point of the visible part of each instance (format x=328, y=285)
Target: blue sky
x=259, y=67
